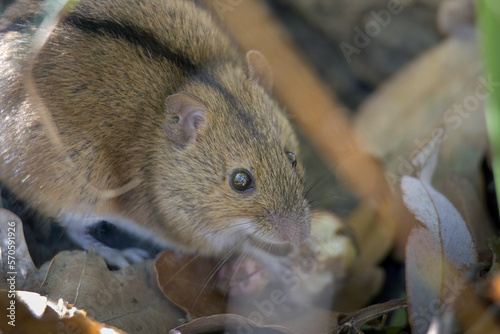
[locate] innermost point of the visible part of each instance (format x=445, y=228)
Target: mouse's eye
x=241, y=180
x=292, y=158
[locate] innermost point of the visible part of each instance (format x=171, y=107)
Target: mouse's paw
x=120, y=257
x=114, y=257
x=134, y=255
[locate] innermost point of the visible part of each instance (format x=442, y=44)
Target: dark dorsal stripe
x=134, y=35
x=238, y=110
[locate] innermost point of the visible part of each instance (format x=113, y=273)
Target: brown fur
x=107, y=96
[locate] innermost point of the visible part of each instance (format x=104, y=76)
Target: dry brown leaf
x=427, y=277
x=189, y=282
x=128, y=299
x=440, y=217
x=36, y=314
x=438, y=254
x=435, y=296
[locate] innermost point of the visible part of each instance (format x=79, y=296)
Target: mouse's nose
x=292, y=228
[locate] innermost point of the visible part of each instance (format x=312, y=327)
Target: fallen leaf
x=189, y=282
x=128, y=299
x=439, y=216
x=426, y=278
x=437, y=253
x=36, y=314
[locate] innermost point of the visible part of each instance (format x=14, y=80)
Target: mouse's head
x=233, y=171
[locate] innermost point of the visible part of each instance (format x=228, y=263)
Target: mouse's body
x=144, y=114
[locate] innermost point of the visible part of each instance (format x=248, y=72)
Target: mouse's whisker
x=331, y=191
x=314, y=185
x=314, y=203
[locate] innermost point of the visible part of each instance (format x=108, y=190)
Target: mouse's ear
x=258, y=69
x=186, y=115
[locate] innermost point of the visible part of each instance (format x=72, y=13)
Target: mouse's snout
x=292, y=227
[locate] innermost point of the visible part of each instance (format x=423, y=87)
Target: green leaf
x=488, y=18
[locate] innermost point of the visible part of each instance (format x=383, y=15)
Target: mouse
x=146, y=115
